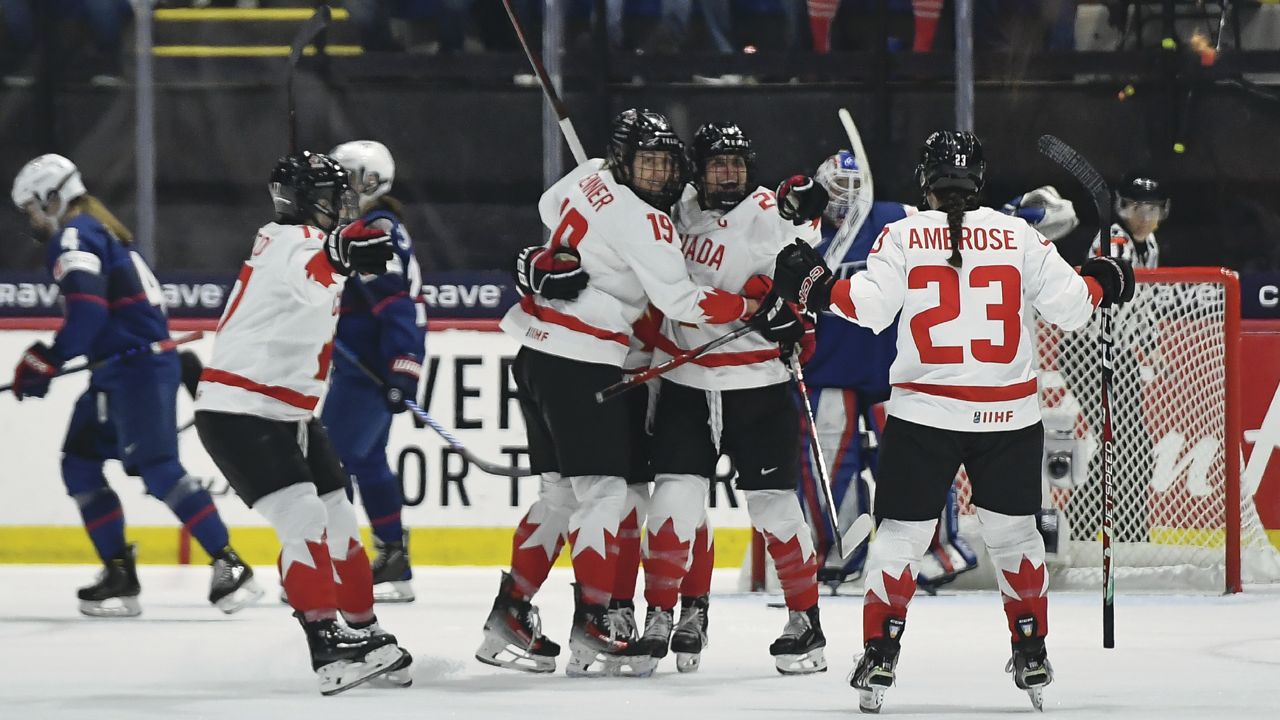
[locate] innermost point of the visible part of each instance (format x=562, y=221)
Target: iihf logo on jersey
x=988, y=416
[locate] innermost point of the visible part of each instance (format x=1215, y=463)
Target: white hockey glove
x=1045, y=210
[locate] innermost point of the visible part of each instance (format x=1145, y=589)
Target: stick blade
x=857, y=532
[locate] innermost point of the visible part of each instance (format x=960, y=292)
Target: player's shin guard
x=697, y=582
x=1017, y=554
x=677, y=509
x=593, y=530
x=776, y=514
x=306, y=570
x=634, y=513
x=350, y=562
x=99, y=505
x=540, y=535
x=190, y=503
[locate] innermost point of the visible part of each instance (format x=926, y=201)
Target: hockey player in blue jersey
x=113, y=303
x=845, y=394
x=383, y=321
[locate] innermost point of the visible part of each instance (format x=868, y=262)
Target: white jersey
x=271, y=355
x=1139, y=254
x=964, y=353
x=631, y=252
x=726, y=250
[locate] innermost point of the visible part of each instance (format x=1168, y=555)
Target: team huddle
x=655, y=250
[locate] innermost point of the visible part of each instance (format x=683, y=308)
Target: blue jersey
x=110, y=297
x=383, y=317
x=849, y=355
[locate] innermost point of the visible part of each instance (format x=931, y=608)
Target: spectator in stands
x=104, y=18
x=821, y=14
x=674, y=33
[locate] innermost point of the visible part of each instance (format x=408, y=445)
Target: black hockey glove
x=777, y=321
x=801, y=199
x=402, y=382
x=554, y=275
x=800, y=275
x=359, y=248
x=35, y=370
x=1115, y=275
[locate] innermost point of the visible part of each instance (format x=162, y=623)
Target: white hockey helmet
x=841, y=176
x=369, y=167
x=43, y=178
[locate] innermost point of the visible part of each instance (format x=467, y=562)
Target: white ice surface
x=1178, y=657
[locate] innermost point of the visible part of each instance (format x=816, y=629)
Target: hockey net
x=1181, y=520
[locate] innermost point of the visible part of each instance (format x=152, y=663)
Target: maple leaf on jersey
x=321, y=270
x=895, y=592
x=1027, y=582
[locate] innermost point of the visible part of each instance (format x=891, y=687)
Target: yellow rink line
x=248, y=50
x=162, y=545
x=242, y=14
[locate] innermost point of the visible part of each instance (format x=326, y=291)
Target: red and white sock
x=633, y=517
x=697, y=581
x=677, y=508
x=1017, y=554
x=890, y=575
x=541, y=534
x=593, y=533
x=778, y=517
x=350, y=562
x=298, y=516
x=927, y=14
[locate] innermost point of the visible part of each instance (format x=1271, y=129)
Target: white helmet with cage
x=42, y=179
x=842, y=176
x=369, y=167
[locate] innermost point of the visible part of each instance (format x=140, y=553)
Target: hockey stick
x=639, y=379
x=1071, y=161
x=548, y=89
x=846, y=234
x=314, y=25
x=861, y=527
x=418, y=412
x=155, y=348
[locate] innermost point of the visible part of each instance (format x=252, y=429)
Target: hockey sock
x=355, y=577
x=540, y=535
x=890, y=577
x=306, y=569
x=634, y=513
x=1017, y=554
x=193, y=505
x=99, y=505
x=677, y=508
x=697, y=581
x=382, y=502
x=927, y=14
x=593, y=533
x=821, y=13
x=777, y=515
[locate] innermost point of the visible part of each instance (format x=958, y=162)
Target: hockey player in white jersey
x=255, y=405
x=958, y=278
x=1141, y=204
x=613, y=214
x=737, y=400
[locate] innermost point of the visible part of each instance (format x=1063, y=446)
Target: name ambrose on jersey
x=978, y=238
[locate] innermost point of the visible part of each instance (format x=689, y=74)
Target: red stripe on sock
x=797, y=574
x=625, y=574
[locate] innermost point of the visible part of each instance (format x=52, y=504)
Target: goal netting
x=1181, y=521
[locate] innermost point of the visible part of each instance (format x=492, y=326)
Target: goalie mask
x=842, y=176
x=311, y=189
x=647, y=156
x=1141, y=205
x=723, y=165
x=370, y=168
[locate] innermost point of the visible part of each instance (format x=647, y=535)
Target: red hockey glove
x=801, y=200
x=35, y=370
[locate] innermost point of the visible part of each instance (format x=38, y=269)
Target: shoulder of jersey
x=87, y=231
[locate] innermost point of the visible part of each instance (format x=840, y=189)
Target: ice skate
x=513, y=635
x=396, y=676
x=593, y=651
x=1031, y=669
x=232, y=586
x=622, y=620
x=798, y=651
x=392, y=575
x=344, y=658
x=115, y=594
x=645, y=653
x=690, y=635
x=874, y=673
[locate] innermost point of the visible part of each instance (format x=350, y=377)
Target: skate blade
x=499, y=653
x=338, y=677
x=112, y=607
x=870, y=701
x=813, y=661
x=398, y=591
x=688, y=662
x=396, y=676
x=587, y=662
x=640, y=666
x=240, y=598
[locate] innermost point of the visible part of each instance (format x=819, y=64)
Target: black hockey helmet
x=711, y=140
x=310, y=188
x=951, y=159
x=1141, y=201
x=639, y=129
